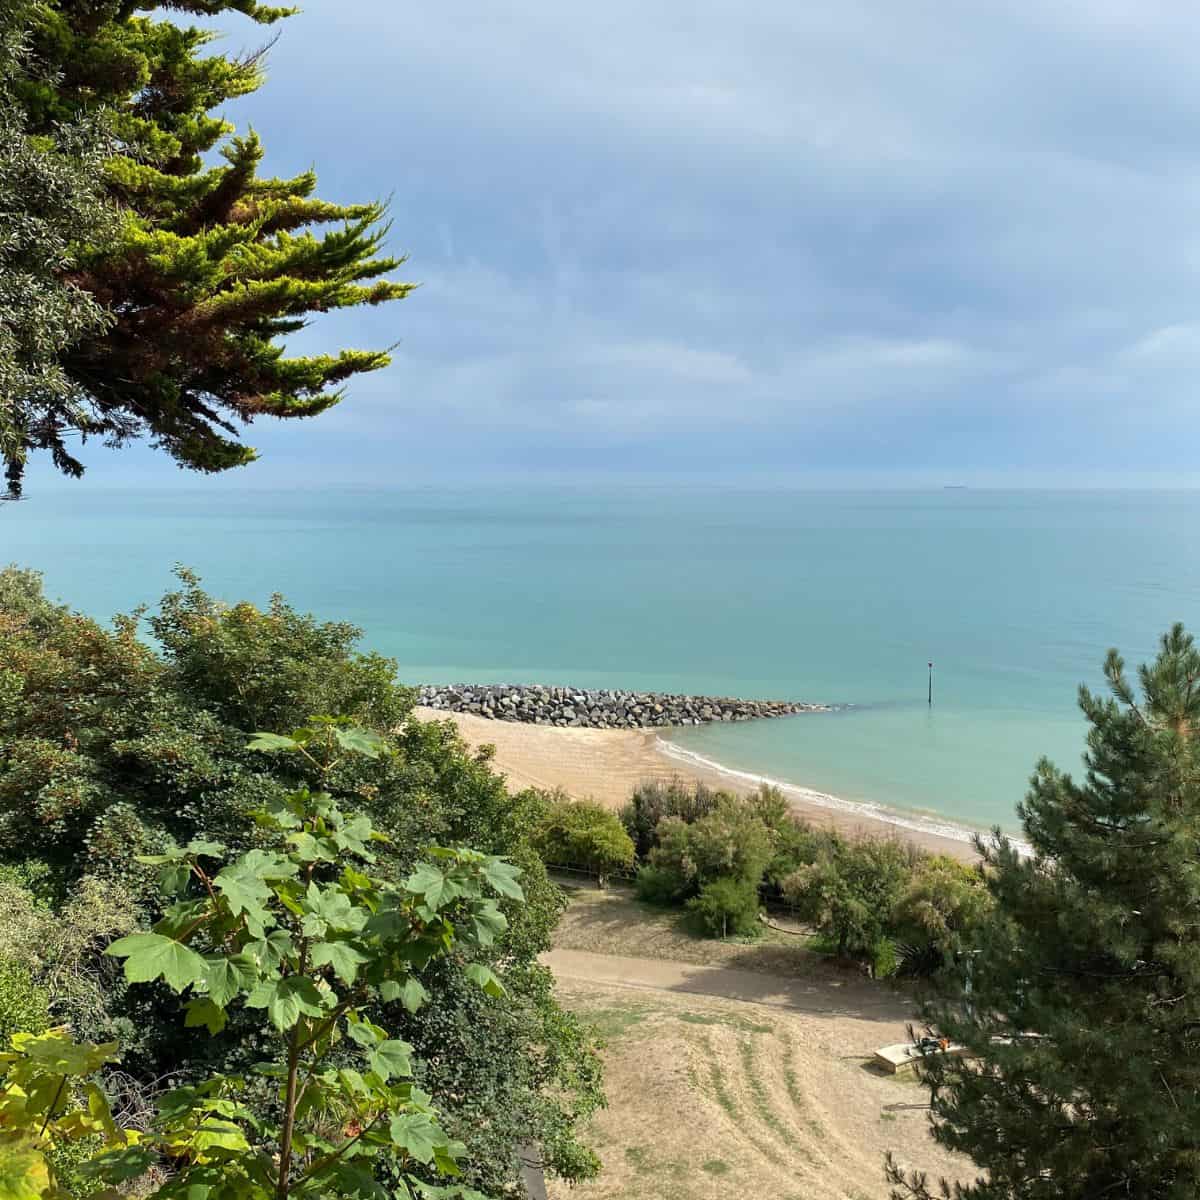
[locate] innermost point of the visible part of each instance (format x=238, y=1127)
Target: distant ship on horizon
x=955, y=487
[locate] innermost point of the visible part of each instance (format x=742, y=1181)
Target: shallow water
x=827, y=596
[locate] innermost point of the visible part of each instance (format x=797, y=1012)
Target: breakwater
x=601, y=709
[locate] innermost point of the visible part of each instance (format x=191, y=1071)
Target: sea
x=842, y=598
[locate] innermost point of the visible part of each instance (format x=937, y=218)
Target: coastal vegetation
x=166, y=315
x=1079, y=1007
x=125, y=767
x=881, y=901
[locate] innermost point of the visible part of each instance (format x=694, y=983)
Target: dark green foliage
x=660, y=885
x=654, y=801
x=211, y=266
x=849, y=893
x=1083, y=1017
x=727, y=906
x=728, y=841
x=938, y=912
x=50, y=182
x=109, y=749
x=582, y=833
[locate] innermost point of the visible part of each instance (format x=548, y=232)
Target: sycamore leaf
x=410, y=993
x=310, y=849
x=363, y=1032
x=286, y=1000
x=503, y=877
x=413, y=994
x=427, y=881
x=215, y=1134
x=150, y=956
x=173, y=879
x=272, y=741
x=226, y=977
x=485, y=977
x=417, y=1135
x=55, y=1053
x=200, y=848
x=202, y=1011
x=488, y=922
x=390, y=1058
x=157, y=860
x=341, y=956
x=271, y=950
x=361, y=741
x=246, y=893
x=23, y=1171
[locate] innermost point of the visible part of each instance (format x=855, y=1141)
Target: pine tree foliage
x=49, y=196
x=1083, y=1018
x=213, y=265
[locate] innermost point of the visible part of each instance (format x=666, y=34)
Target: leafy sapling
x=304, y=932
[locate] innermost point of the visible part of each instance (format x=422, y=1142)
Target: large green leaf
x=429, y=882
x=360, y=741
x=151, y=956
x=410, y=992
x=202, y=1011
x=341, y=956
x=485, y=977
x=390, y=1058
x=417, y=1135
x=271, y=950
x=272, y=741
x=227, y=977
x=55, y=1053
x=23, y=1171
x=503, y=877
x=286, y=1000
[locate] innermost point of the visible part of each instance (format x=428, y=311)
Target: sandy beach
x=607, y=764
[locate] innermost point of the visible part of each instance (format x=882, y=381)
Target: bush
x=728, y=841
x=651, y=803
x=658, y=885
x=726, y=906
x=850, y=892
x=110, y=749
x=582, y=833
x=941, y=905
x=24, y=1007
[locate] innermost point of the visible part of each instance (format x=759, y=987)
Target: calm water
x=839, y=597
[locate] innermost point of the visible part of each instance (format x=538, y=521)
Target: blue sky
x=869, y=241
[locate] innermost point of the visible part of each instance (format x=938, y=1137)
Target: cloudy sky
x=851, y=241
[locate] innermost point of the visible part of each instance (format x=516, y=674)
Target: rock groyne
x=601, y=709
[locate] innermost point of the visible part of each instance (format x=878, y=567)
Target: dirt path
x=820, y=997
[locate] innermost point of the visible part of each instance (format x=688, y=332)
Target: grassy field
x=712, y=1098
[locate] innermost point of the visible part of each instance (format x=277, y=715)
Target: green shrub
x=728, y=841
x=582, y=833
x=727, y=906
x=658, y=885
x=652, y=802
x=24, y=1007
x=884, y=959
x=110, y=748
x=850, y=892
x=938, y=910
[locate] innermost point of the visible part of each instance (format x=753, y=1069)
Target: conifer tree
x=49, y=197
x=1082, y=1022
x=212, y=264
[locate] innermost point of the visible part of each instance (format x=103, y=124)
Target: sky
x=870, y=241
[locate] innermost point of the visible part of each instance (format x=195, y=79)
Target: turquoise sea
x=828, y=596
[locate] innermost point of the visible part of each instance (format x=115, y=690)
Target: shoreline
x=607, y=764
